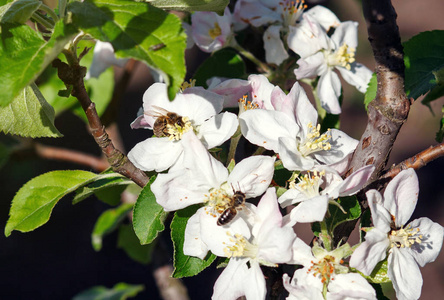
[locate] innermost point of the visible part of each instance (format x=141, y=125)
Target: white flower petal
x=404, y=273
x=302, y=254
x=358, y=76
x=311, y=66
x=431, y=242
x=231, y=282
x=155, y=154
x=252, y=175
x=291, y=196
x=370, y=252
x=193, y=245
x=310, y=210
x=217, y=129
x=232, y=90
x=275, y=52
x=261, y=90
x=341, y=146
x=300, y=291
x=346, y=33
x=329, y=90
x=307, y=38
x=350, y=286
x=353, y=183
x=325, y=17
x=291, y=158
x=263, y=127
x=401, y=195
x=380, y=215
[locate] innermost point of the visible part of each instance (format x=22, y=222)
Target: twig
x=389, y=110
x=77, y=157
x=72, y=75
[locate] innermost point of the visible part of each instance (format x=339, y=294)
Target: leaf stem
x=233, y=145
x=49, y=11
x=62, y=8
x=42, y=21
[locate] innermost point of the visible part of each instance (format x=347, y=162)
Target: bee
x=237, y=200
x=164, y=118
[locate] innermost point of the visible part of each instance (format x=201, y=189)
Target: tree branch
x=72, y=75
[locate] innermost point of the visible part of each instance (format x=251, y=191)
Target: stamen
x=292, y=11
x=245, y=104
x=187, y=84
x=308, y=184
x=324, y=269
x=314, y=141
x=217, y=201
x=405, y=237
x=215, y=32
x=343, y=57
x=240, y=247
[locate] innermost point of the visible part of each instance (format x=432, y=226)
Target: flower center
x=177, y=129
x=240, y=247
x=217, y=201
x=245, y=104
x=187, y=84
x=308, y=184
x=323, y=269
x=342, y=57
x=405, y=237
x=215, y=32
x=314, y=141
x=292, y=11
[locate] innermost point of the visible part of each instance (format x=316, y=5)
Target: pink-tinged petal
x=431, y=241
x=346, y=33
x=205, y=167
x=252, y=175
x=177, y=190
x=155, y=154
x=341, y=146
x=405, y=275
x=311, y=66
x=325, y=17
x=370, y=252
x=401, y=195
x=232, y=90
x=354, y=183
x=155, y=96
x=300, y=291
x=350, y=286
x=329, y=90
x=359, y=76
x=193, y=244
x=275, y=52
x=342, y=166
x=264, y=127
x=216, y=237
x=103, y=58
x=188, y=31
x=256, y=13
x=380, y=215
x=291, y=158
x=302, y=254
x=261, y=90
x=140, y=122
x=217, y=129
x=231, y=282
x=310, y=210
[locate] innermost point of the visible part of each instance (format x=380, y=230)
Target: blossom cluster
x=285, y=128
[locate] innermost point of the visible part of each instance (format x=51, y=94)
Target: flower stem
x=265, y=68
x=325, y=236
x=50, y=12
x=39, y=19
x=233, y=145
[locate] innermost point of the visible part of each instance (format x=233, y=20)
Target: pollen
x=217, y=201
x=324, y=269
x=245, y=104
x=215, y=32
x=315, y=141
x=186, y=84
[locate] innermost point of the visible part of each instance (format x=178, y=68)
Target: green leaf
x=191, y=5
x=18, y=11
x=364, y=222
x=33, y=203
x=100, y=90
x=223, y=63
x=29, y=115
x=351, y=207
x=184, y=265
x=440, y=133
x=370, y=94
x=379, y=291
x=24, y=54
x=99, y=187
x=148, y=216
x=379, y=274
x=135, y=29
x=129, y=242
x=120, y=291
x=107, y=223
x=424, y=54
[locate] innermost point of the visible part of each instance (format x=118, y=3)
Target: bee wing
x=156, y=112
